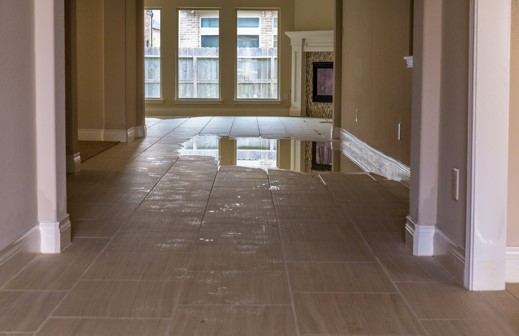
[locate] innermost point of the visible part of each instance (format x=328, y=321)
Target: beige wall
x=17, y=121
x=453, y=118
x=90, y=64
x=375, y=79
x=513, y=191
x=107, y=64
x=169, y=28
x=314, y=15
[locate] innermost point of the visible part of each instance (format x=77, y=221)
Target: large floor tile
x=124, y=265
x=448, y=301
x=233, y=287
x=237, y=258
x=340, y=251
x=131, y=299
x=233, y=321
x=355, y=314
x=471, y=328
x=179, y=242
x=26, y=311
x=15, y=264
x=513, y=289
x=104, y=327
x=339, y=277
x=58, y=271
x=411, y=268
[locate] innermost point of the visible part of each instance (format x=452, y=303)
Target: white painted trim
x=313, y=41
x=132, y=134
x=372, y=160
x=106, y=135
x=55, y=236
x=199, y=111
x=29, y=242
x=419, y=238
x=90, y=134
x=116, y=135
x=142, y=131
x=450, y=255
x=488, y=144
x=74, y=162
x=512, y=264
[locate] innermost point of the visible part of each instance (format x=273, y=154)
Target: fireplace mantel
x=305, y=41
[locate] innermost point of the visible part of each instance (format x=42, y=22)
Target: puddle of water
x=247, y=152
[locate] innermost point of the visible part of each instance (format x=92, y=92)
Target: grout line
x=191, y=261
x=287, y=273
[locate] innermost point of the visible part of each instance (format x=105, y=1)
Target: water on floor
x=169, y=244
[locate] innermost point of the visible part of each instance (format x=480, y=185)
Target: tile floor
x=169, y=245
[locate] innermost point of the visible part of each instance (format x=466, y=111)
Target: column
x=50, y=124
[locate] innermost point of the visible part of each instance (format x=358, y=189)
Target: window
x=198, y=54
x=248, y=22
x=257, y=55
x=152, y=72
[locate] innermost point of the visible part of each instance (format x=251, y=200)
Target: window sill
x=154, y=101
x=258, y=101
x=198, y=101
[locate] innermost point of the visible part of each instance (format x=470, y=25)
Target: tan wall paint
x=453, y=118
x=375, y=80
x=90, y=64
x=169, y=42
x=107, y=64
x=314, y=15
x=17, y=121
x=513, y=182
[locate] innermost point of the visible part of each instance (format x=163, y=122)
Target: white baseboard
x=249, y=109
x=142, y=131
x=29, y=242
x=372, y=160
x=450, y=255
x=107, y=135
x=90, y=134
x=512, y=264
x=55, y=236
x=116, y=135
x=419, y=238
x=73, y=163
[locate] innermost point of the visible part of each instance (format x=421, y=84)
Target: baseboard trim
x=55, y=236
x=247, y=109
x=512, y=264
x=450, y=255
x=107, y=135
x=90, y=134
x=419, y=239
x=142, y=131
x=73, y=163
x=372, y=160
x=29, y=242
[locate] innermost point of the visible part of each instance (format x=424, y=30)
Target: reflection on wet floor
x=167, y=244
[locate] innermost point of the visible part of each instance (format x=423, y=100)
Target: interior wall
x=90, y=63
x=314, y=15
x=227, y=106
x=513, y=178
x=453, y=119
x=108, y=70
x=18, y=204
x=376, y=83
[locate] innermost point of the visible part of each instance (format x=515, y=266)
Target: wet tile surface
x=166, y=244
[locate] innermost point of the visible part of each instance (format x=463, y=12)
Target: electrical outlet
x=456, y=184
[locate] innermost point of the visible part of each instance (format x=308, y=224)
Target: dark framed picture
x=322, y=82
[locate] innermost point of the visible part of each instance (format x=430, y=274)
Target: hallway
x=176, y=245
